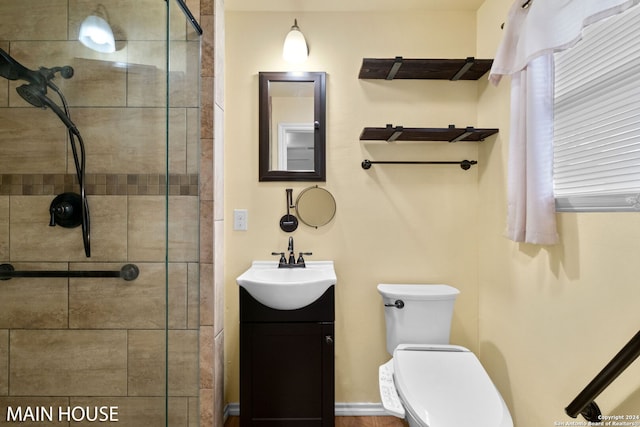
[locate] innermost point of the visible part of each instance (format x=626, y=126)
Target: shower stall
x=118, y=130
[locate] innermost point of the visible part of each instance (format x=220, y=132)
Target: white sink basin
x=287, y=288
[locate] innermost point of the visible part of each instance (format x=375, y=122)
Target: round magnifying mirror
x=315, y=206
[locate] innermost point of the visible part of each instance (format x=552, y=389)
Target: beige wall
x=400, y=224
x=550, y=317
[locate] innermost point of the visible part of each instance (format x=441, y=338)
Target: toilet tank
x=422, y=317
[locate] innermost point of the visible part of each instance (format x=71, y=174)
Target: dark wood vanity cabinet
x=287, y=364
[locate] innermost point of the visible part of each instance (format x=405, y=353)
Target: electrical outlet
x=240, y=217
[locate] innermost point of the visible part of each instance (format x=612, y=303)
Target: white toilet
x=430, y=382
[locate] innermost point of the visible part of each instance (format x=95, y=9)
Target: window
x=597, y=118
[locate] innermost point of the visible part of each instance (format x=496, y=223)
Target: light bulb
x=295, y=46
x=95, y=33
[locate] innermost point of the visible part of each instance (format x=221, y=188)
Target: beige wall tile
x=68, y=363
x=136, y=144
x=4, y=362
x=147, y=80
x=218, y=388
x=206, y=357
x=183, y=363
x=193, y=140
x=206, y=408
x=113, y=303
x=178, y=141
x=4, y=228
x=108, y=228
x=31, y=140
x=206, y=169
x=4, y=88
x=178, y=295
x=194, y=412
x=193, y=296
x=147, y=363
x=48, y=18
x=219, y=52
x=206, y=230
x=207, y=58
x=146, y=355
x=206, y=294
x=179, y=411
x=183, y=228
x=30, y=223
x=30, y=303
x=146, y=228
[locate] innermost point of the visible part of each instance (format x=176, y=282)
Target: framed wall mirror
x=292, y=128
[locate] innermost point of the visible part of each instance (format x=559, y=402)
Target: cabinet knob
x=328, y=339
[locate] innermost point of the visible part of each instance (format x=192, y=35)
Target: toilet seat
x=446, y=386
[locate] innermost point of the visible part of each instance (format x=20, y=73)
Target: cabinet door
x=287, y=375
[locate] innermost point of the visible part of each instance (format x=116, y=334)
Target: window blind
x=597, y=118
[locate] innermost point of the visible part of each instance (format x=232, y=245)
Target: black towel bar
x=128, y=272
x=464, y=164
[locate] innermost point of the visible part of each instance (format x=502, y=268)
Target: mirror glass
x=315, y=206
x=292, y=126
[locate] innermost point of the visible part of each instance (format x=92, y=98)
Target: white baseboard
x=362, y=409
x=357, y=409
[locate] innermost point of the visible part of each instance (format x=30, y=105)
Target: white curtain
x=531, y=37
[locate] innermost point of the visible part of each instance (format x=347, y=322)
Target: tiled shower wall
x=211, y=213
x=64, y=340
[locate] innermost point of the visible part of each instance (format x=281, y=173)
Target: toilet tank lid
x=417, y=291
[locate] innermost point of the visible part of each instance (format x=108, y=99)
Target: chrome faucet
x=292, y=262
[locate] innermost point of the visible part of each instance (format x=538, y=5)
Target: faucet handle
x=283, y=260
x=301, y=259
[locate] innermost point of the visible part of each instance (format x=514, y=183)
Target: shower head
x=35, y=91
x=32, y=94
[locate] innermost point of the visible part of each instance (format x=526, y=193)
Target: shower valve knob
x=66, y=210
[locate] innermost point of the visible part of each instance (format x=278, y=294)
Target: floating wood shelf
x=392, y=133
x=439, y=69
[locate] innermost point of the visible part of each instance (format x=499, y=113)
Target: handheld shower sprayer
x=35, y=93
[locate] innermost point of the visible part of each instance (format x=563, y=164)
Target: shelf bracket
x=397, y=131
x=397, y=63
x=468, y=63
x=468, y=131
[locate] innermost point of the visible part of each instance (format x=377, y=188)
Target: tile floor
x=347, y=422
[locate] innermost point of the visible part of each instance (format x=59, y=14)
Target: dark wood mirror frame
x=319, y=100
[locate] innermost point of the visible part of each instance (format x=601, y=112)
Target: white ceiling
x=350, y=5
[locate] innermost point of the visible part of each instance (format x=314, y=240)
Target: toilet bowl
x=434, y=384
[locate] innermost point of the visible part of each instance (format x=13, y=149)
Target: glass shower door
x=78, y=347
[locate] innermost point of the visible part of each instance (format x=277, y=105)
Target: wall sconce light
x=96, y=33
x=295, y=46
